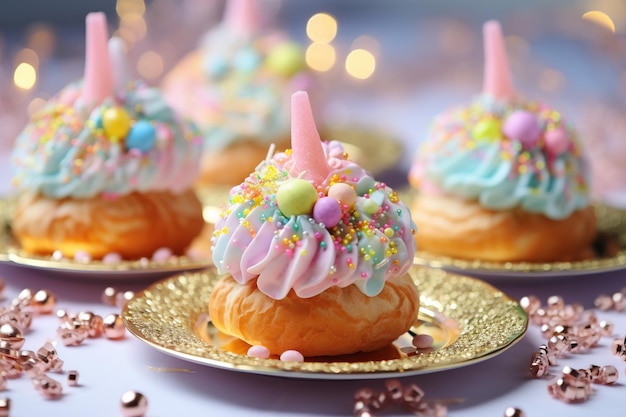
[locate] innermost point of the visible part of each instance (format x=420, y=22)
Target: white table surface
x=108, y=368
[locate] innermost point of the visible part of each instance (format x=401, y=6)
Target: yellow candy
x=285, y=59
x=488, y=130
x=116, y=123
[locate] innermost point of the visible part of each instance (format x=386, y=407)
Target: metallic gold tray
x=469, y=320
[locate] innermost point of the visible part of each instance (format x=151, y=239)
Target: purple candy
x=328, y=211
x=523, y=126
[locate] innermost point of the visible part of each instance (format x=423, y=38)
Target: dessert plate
x=11, y=252
x=610, y=249
x=469, y=320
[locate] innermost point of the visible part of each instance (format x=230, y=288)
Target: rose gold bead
x=134, y=404
x=34, y=367
x=571, y=374
x=49, y=356
x=3, y=382
x=546, y=330
x=617, y=347
x=62, y=315
x=619, y=301
x=608, y=375
x=122, y=298
x=72, y=378
x=394, y=389
x=108, y=296
x=114, y=327
x=555, y=302
x=606, y=328
x=23, y=355
x=594, y=371
x=70, y=334
x=10, y=368
x=603, y=302
x=413, y=394
x=11, y=335
x=364, y=394
x=513, y=412
x=558, y=343
x=539, y=316
x=43, y=302
x=92, y=323
x=538, y=365
x=530, y=304
x=23, y=298
x=439, y=410
x=362, y=410
x=5, y=407
x=47, y=386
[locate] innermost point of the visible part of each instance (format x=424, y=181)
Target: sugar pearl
x=258, y=351
x=292, y=356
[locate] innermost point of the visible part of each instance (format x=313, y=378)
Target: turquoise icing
x=253, y=239
x=65, y=152
x=501, y=172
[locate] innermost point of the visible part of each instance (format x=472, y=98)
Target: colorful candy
x=327, y=211
x=296, y=196
x=116, y=123
x=522, y=125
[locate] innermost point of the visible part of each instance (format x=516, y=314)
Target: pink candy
x=556, y=141
x=258, y=351
x=292, y=356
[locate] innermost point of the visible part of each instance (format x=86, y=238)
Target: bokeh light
x=25, y=76
x=150, y=65
x=321, y=27
x=360, y=64
x=320, y=56
x=600, y=18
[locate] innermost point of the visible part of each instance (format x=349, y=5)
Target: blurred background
x=385, y=66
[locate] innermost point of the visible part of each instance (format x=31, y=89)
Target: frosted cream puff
x=502, y=178
x=314, y=252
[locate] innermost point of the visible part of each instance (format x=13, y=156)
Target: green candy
x=487, y=130
x=295, y=197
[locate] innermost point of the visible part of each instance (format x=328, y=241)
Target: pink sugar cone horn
x=242, y=16
x=497, y=82
x=309, y=160
x=98, y=81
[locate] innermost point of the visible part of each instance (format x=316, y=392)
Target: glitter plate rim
x=166, y=313
x=611, y=220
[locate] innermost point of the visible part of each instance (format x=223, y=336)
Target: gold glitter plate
x=469, y=320
x=10, y=251
x=610, y=249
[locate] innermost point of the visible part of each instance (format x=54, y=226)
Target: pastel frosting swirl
x=353, y=230
x=505, y=154
x=130, y=142
x=248, y=81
